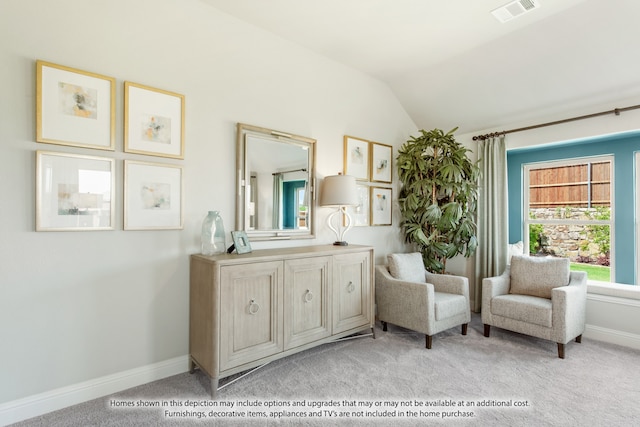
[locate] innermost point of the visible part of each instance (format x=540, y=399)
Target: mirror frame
x=243, y=177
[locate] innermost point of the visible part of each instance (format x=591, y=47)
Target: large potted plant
x=438, y=198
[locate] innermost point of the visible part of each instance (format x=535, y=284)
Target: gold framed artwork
x=356, y=158
x=74, y=192
x=153, y=121
x=360, y=213
x=74, y=107
x=380, y=206
x=152, y=196
x=381, y=162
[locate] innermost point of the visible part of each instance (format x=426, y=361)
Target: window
x=568, y=212
x=621, y=149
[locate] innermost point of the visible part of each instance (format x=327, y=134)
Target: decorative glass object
x=213, y=236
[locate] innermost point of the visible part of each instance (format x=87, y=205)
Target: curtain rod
x=294, y=170
x=615, y=111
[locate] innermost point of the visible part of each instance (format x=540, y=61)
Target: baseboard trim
x=32, y=406
x=612, y=336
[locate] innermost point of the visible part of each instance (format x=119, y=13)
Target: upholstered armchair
x=410, y=297
x=537, y=296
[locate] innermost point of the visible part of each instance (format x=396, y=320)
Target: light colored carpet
x=598, y=384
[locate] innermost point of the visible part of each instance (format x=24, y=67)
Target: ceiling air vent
x=514, y=9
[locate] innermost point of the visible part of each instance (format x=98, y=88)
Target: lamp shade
x=339, y=190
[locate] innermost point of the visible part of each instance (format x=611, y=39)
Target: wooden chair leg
x=579, y=339
x=487, y=330
x=384, y=326
x=561, y=350
x=429, y=341
x=464, y=328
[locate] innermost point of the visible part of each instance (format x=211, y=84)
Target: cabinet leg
x=192, y=366
x=214, y=387
x=384, y=326
x=373, y=332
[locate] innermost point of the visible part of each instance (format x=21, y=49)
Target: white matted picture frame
x=356, y=157
x=153, y=121
x=74, y=107
x=381, y=206
x=74, y=192
x=381, y=162
x=152, y=196
x=361, y=213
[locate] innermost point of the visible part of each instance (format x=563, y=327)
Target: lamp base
x=340, y=243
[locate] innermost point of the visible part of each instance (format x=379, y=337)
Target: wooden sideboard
x=247, y=310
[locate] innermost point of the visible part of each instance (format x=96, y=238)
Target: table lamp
x=339, y=191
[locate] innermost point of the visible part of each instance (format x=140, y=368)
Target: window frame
x=636, y=213
x=573, y=161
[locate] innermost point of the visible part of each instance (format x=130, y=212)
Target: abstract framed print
x=153, y=121
x=74, y=192
x=380, y=206
x=381, y=162
x=74, y=107
x=361, y=213
x=152, y=196
x=356, y=158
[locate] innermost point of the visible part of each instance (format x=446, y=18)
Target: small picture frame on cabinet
x=241, y=242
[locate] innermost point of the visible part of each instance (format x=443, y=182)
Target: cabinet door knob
x=351, y=287
x=308, y=296
x=254, y=307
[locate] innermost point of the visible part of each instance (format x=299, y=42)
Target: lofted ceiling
x=451, y=63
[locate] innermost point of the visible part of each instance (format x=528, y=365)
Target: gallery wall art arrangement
x=371, y=164
x=76, y=108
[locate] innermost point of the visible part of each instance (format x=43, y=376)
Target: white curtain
x=493, y=219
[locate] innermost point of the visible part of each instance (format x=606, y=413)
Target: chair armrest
x=406, y=304
x=569, y=306
x=497, y=285
x=492, y=287
x=449, y=283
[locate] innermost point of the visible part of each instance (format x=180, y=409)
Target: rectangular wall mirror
x=275, y=189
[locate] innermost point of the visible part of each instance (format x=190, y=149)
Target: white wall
x=75, y=306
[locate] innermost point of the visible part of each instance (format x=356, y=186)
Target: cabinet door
x=250, y=312
x=352, y=296
x=306, y=290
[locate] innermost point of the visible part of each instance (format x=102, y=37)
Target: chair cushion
x=448, y=305
x=537, y=276
x=408, y=267
x=525, y=308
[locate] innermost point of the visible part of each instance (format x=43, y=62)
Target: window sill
x=614, y=290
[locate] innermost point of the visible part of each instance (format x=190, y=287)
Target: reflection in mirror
x=275, y=188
